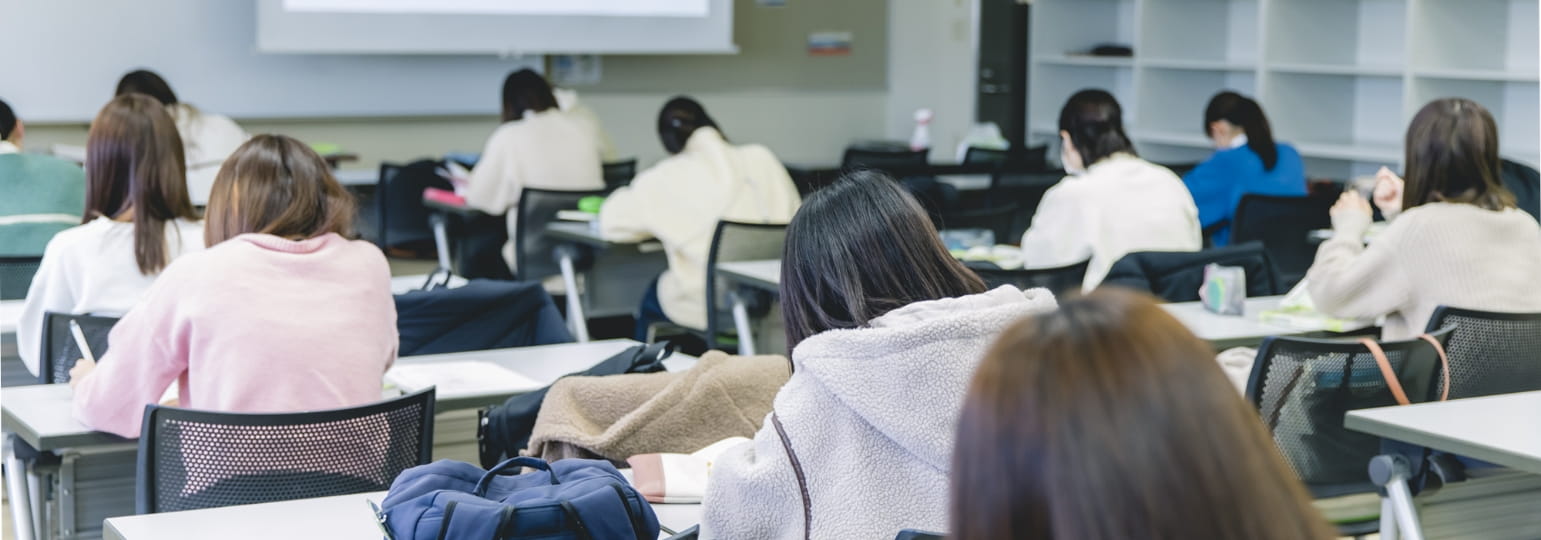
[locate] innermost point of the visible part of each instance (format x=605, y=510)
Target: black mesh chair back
x=403, y=220
x=1303, y=387
x=16, y=276
x=1180, y=169
x=998, y=220
x=204, y=459
x=619, y=173
x=1056, y=280
x=59, y=348
x=735, y=241
x=985, y=156
x=1524, y=182
x=1283, y=225
x=1491, y=353
x=1177, y=276
x=538, y=208
x=897, y=161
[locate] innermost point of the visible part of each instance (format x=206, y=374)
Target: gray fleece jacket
x=859, y=442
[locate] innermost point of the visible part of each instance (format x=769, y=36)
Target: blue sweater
x=1219, y=183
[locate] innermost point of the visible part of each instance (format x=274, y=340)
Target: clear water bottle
x=921, y=139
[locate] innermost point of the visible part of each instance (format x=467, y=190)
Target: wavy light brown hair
x=1107, y=419
x=276, y=185
x=1452, y=156
x=135, y=170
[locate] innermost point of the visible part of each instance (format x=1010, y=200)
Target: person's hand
x=1351, y=215
x=1388, y=192
x=83, y=367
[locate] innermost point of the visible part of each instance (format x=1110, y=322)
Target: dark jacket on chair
x=483, y=314
x=1177, y=276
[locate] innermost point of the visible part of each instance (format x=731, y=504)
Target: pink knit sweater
x=257, y=323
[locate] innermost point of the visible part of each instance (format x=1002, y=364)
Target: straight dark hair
x=277, y=185
x=1107, y=419
x=525, y=90
x=134, y=165
x=1452, y=156
x=679, y=119
x=144, y=81
x=1095, y=123
x=1243, y=112
x=7, y=120
x=860, y=248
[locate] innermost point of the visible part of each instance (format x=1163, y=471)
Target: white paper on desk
x=463, y=378
x=576, y=215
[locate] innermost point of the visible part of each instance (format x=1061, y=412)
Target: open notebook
x=460, y=378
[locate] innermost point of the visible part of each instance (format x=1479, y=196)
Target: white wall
x=931, y=64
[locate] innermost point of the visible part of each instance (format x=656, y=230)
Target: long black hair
x=1241, y=111
x=144, y=81
x=525, y=90
x=680, y=118
x=858, y=249
x=1095, y=123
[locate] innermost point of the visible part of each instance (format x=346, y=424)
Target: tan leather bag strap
x=1391, y=376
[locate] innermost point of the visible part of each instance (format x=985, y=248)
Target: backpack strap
x=797, y=470
x=1444, y=365
x=1386, y=372
x=582, y=530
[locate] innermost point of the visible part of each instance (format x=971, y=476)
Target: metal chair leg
x=575, y=317
x=741, y=322
x=1391, y=472
x=21, y=497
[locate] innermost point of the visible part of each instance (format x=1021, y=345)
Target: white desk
x=10, y=312
x=966, y=182
x=343, y=517
x=40, y=415
x=1503, y=429
x=357, y=177
x=412, y=282
x=614, y=282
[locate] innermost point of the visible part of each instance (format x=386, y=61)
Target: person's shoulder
x=74, y=237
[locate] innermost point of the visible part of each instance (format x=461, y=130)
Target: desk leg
x=741, y=322
x=16, y=480
x=440, y=239
x=575, y=317
x=1398, y=516
x=1388, y=519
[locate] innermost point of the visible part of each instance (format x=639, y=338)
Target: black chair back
x=1304, y=387
x=894, y=160
x=619, y=173
x=1180, y=169
x=538, y=208
x=403, y=220
x=16, y=276
x=1283, y=225
x=1177, y=276
x=998, y=220
x=736, y=241
x=1525, y=183
x=59, y=348
x=985, y=156
x=483, y=314
x=1491, y=352
x=1056, y=280
x=205, y=459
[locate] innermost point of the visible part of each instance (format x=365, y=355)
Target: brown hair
x=526, y=90
x=1452, y=156
x=1108, y=419
x=858, y=249
x=276, y=185
x=134, y=164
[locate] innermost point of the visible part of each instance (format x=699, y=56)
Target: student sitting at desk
x=1113, y=203
x=1107, y=419
x=885, y=329
x=1247, y=161
x=207, y=138
x=680, y=200
x=1455, y=239
x=281, y=313
x=137, y=220
x=538, y=146
x=43, y=194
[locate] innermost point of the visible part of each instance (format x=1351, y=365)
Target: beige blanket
x=620, y=416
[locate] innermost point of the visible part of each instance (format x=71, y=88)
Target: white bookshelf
x=1339, y=79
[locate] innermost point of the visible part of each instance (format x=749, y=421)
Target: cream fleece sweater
x=1435, y=254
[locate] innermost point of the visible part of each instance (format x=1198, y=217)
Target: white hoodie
x=207, y=139
x=870, y=414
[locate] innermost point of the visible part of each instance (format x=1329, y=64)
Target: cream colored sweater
x=1436, y=254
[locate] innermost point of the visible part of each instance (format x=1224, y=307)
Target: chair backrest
x=399, y=202
x=736, y=241
x=998, y=220
x=1524, y=182
x=1180, y=169
x=984, y=156
x=538, y=208
x=1491, y=353
x=1303, y=387
x=205, y=459
x=883, y=159
x=619, y=173
x=1283, y=225
x=59, y=348
x=16, y=276
x=1056, y=280
x=483, y=314
x=1177, y=276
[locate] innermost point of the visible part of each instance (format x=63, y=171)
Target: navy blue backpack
x=580, y=499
